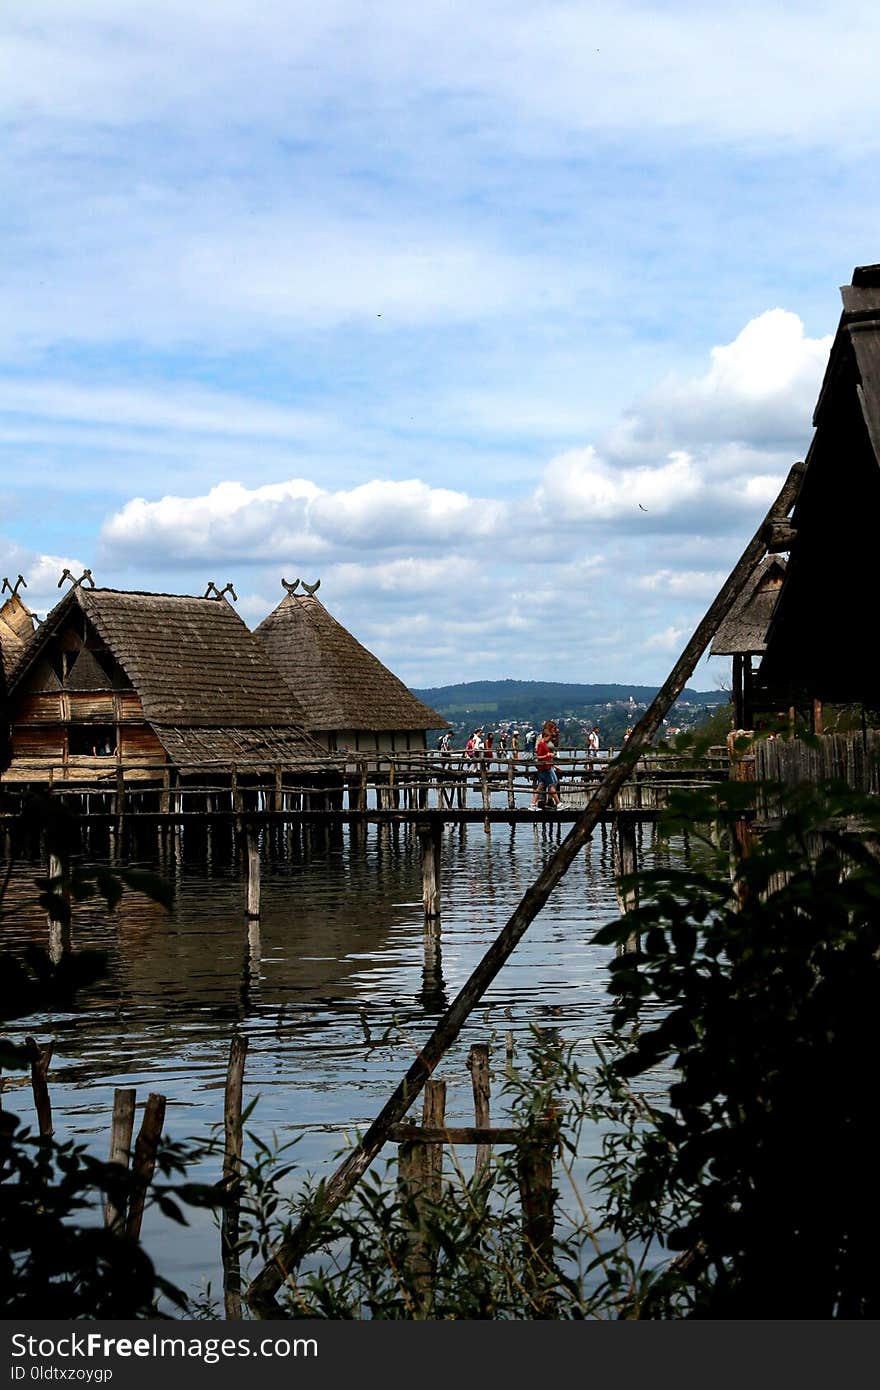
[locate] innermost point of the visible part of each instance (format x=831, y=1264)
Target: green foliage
x=761, y=990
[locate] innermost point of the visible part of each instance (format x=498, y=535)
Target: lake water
x=335, y=991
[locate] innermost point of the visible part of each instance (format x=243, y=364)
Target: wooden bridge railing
x=354, y=782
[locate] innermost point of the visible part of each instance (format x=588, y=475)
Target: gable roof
x=338, y=682
x=818, y=642
x=744, y=629
x=195, y=666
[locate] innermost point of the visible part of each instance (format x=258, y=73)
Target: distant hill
x=614, y=708
x=518, y=699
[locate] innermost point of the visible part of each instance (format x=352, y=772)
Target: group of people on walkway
x=482, y=744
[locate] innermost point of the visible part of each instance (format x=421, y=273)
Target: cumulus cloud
x=298, y=520
x=758, y=391
x=580, y=486
x=666, y=641
x=691, y=583
x=41, y=573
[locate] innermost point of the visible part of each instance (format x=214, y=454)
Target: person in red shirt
x=547, y=780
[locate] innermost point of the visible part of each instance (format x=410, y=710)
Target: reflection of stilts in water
x=250, y=975
x=60, y=938
x=432, y=995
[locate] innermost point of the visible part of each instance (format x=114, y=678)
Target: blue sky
x=504, y=321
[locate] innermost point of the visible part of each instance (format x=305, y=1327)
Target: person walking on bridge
x=547, y=778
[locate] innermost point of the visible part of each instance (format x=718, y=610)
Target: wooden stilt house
x=134, y=683
x=819, y=648
x=743, y=632
x=349, y=699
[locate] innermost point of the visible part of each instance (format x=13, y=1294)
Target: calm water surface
x=335, y=991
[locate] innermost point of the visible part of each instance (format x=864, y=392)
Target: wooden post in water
x=420, y=1182
x=144, y=1163
x=121, y=1130
x=626, y=864
x=58, y=916
x=429, y=843
x=478, y=1066
x=535, y=1175
x=40, y=1059
x=232, y=1123
x=262, y=1290
x=252, y=857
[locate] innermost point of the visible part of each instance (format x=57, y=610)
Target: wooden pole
x=40, y=1059
x=261, y=1293
x=420, y=1183
x=252, y=854
x=625, y=865
x=121, y=1130
x=144, y=1163
x=478, y=1066
x=535, y=1174
x=429, y=842
x=232, y=1121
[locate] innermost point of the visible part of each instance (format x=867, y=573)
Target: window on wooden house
x=91, y=741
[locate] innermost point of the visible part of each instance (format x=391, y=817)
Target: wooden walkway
x=363, y=789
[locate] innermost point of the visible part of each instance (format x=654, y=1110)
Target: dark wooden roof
x=745, y=628
x=819, y=643
x=339, y=683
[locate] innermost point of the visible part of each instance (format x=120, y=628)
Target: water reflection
x=336, y=987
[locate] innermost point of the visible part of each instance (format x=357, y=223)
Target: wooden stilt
x=144, y=1163
x=626, y=864
x=121, y=1130
x=232, y=1120
x=430, y=839
x=478, y=1066
x=40, y=1059
x=252, y=855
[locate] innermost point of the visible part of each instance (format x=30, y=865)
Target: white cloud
x=759, y=388
x=580, y=486
x=42, y=573
x=690, y=583
x=666, y=641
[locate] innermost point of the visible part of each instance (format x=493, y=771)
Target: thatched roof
x=744, y=629
x=339, y=683
x=205, y=683
x=16, y=630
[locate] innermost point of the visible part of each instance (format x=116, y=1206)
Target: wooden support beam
x=625, y=865
x=144, y=1163
x=261, y=1293
x=430, y=839
x=40, y=1058
x=233, y=1132
x=252, y=859
x=478, y=1066
x=121, y=1130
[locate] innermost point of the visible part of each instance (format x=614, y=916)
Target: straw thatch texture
x=16, y=630
x=253, y=750
x=192, y=660
x=744, y=629
x=338, y=682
